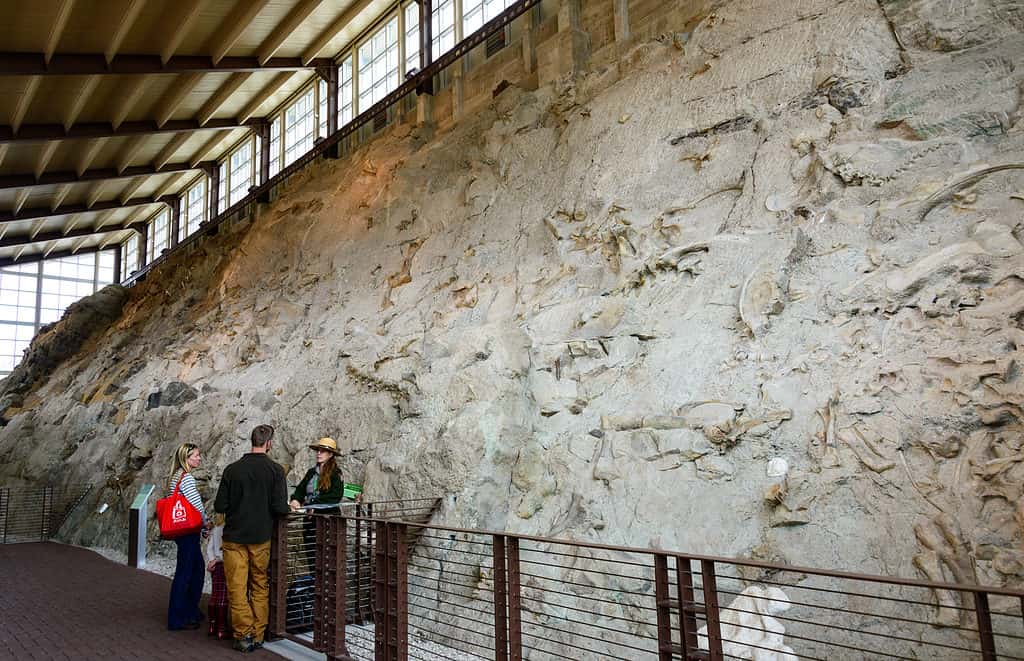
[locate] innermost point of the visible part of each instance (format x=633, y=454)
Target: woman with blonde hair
x=187, y=586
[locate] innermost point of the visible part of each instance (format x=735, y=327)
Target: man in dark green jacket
x=252, y=492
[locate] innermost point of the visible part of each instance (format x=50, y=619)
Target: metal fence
x=390, y=589
x=35, y=514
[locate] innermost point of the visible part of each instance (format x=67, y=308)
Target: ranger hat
x=328, y=444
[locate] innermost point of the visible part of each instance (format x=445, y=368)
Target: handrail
x=745, y=562
x=476, y=593
x=410, y=85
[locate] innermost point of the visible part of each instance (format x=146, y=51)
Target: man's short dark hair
x=261, y=434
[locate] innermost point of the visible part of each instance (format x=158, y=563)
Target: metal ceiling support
x=72, y=64
x=426, y=44
x=72, y=177
x=330, y=76
x=212, y=171
x=117, y=264
x=44, y=237
x=143, y=246
x=44, y=132
x=263, y=135
x=173, y=203
x=47, y=212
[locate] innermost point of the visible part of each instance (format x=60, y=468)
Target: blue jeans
x=187, y=585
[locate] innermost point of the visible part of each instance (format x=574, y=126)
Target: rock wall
x=747, y=283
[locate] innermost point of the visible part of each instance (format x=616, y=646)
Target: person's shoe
x=243, y=644
x=191, y=625
x=257, y=645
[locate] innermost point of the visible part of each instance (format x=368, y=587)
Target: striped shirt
x=189, y=490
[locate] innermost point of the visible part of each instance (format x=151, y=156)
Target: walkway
x=63, y=602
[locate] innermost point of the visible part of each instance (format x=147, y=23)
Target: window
x=38, y=293
x=257, y=160
x=321, y=91
x=105, y=268
x=65, y=281
x=195, y=209
x=477, y=12
x=222, y=187
x=378, y=65
x=158, y=233
x=14, y=339
x=18, y=297
x=129, y=256
x=275, y=145
x=443, y=18
x=241, y=173
x=298, y=127
x=412, y=37
x=345, y=98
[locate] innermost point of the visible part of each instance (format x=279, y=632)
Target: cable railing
x=330, y=145
x=395, y=589
x=35, y=514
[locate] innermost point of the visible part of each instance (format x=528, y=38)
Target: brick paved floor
x=62, y=602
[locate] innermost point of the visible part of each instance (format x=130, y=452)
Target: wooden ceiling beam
x=221, y=96
x=207, y=147
x=131, y=13
x=92, y=64
x=179, y=91
x=135, y=88
x=47, y=212
x=268, y=91
x=233, y=27
x=185, y=15
x=167, y=153
x=89, y=130
x=57, y=29
x=286, y=27
x=45, y=237
x=8, y=181
x=311, y=54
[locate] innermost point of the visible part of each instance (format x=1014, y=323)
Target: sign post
x=138, y=516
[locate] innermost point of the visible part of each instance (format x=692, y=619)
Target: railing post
x=687, y=607
x=5, y=505
x=322, y=585
x=381, y=588
x=426, y=44
x=500, y=599
x=278, y=577
x=515, y=601
x=44, y=523
x=398, y=559
x=371, y=567
x=711, y=612
x=358, y=551
x=663, y=604
x=988, y=642
x=335, y=565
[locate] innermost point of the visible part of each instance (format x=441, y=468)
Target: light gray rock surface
x=599, y=308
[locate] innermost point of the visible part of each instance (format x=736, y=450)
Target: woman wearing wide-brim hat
x=322, y=484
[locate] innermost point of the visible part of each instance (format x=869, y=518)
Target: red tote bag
x=177, y=516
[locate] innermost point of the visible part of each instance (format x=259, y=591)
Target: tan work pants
x=245, y=569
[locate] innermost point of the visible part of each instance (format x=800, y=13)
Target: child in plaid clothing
x=218, y=605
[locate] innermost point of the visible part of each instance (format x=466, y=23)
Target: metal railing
x=451, y=593
x=35, y=514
